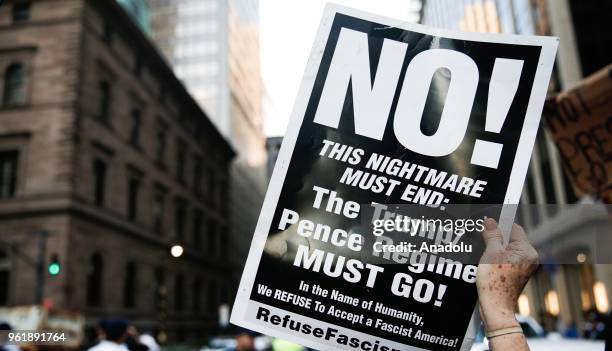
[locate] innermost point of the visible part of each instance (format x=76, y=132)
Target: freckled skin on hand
x=502, y=275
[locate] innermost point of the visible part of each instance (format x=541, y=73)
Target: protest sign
x=580, y=121
x=389, y=113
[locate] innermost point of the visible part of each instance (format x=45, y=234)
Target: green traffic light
x=54, y=268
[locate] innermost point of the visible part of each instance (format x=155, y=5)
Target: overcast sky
x=288, y=28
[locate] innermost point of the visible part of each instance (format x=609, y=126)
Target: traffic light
x=54, y=268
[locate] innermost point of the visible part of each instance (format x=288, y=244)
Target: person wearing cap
x=113, y=335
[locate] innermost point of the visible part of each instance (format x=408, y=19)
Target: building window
x=197, y=228
x=197, y=294
x=14, y=85
x=94, y=280
x=212, y=237
x=212, y=298
x=180, y=214
x=99, y=168
x=107, y=32
x=547, y=172
x=160, y=151
x=130, y=285
x=181, y=153
x=224, y=238
x=21, y=12
x=105, y=101
x=531, y=194
x=211, y=185
x=162, y=94
x=133, y=190
x=225, y=294
x=138, y=65
x=160, y=292
x=8, y=173
x=5, y=277
x=136, y=117
x=197, y=176
x=179, y=292
x=158, y=212
x=570, y=193
x=223, y=194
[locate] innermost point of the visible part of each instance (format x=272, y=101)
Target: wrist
x=496, y=318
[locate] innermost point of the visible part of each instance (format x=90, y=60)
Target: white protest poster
x=389, y=113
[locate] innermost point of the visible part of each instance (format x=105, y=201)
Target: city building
x=213, y=47
x=106, y=162
x=559, y=295
x=193, y=36
x=248, y=173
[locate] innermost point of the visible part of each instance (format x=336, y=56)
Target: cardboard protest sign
x=580, y=121
x=389, y=113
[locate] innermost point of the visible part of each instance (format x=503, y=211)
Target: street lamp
x=176, y=251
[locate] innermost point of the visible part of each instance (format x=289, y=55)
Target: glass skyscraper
x=496, y=16
x=193, y=36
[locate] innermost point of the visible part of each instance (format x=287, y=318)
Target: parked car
x=538, y=340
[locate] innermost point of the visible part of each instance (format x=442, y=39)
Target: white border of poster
x=243, y=304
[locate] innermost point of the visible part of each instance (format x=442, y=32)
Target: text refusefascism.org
x=332, y=334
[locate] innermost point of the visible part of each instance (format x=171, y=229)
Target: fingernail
x=490, y=224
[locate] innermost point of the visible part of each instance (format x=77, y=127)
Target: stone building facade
x=102, y=147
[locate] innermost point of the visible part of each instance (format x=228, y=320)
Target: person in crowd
x=571, y=331
x=113, y=335
x=7, y=327
x=502, y=275
x=149, y=341
x=133, y=340
x=91, y=336
x=284, y=345
x=594, y=325
x=608, y=333
x=245, y=341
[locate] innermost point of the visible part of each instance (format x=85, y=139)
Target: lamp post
x=38, y=264
x=175, y=251
x=43, y=235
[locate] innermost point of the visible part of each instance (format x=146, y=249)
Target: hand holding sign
x=502, y=274
x=581, y=126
